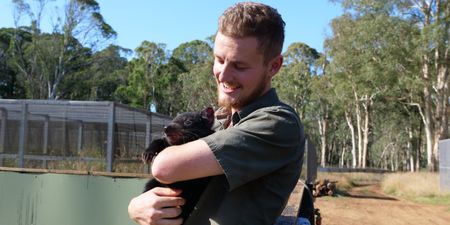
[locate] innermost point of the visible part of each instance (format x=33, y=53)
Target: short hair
x=250, y=19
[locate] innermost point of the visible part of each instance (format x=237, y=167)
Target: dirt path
x=366, y=204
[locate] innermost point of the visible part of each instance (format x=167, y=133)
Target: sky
x=174, y=22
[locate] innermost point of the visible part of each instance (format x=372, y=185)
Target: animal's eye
x=187, y=122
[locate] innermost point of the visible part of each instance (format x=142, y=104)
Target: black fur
x=184, y=128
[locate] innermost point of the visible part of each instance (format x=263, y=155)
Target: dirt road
x=366, y=204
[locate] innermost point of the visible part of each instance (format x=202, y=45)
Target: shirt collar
x=270, y=98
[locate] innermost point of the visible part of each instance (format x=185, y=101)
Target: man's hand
x=157, y=207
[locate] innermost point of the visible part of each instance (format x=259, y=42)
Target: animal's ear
x=208, y=114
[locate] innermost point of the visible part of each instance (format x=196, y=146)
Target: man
x=256, y=152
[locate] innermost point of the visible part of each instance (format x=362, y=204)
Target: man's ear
x=275, y=65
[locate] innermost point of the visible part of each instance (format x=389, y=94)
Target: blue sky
x=174, y=22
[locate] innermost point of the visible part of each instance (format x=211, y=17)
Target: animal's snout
x=171, y=128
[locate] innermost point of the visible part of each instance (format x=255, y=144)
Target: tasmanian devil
x=183, y=128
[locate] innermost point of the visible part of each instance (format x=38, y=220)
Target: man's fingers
x=161, y=191
x=177, y=221
x=169, y=202
x=169, y=213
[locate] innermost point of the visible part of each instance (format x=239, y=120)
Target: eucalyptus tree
x=106, y=70
x=169, y=99
x=293, y=80
x=140, y=89
x=196, y=85
x=77, y=28
x=369, y=52
x=320, y=109
x=10, y=87
x=303, y=84
x=430, y=19
x=199, y=87
x=192, y=53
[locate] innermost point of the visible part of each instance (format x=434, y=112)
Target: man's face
x=240, y=72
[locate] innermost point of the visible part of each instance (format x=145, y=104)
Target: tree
x=49, y=58
x=199, y=87
x=369, y=52
x=192, y=53
x=430, y=19
x=293, y=80
x=105, y=71
x=9, y=84
x=141, y=89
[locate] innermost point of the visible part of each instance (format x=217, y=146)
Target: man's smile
x=229, y=88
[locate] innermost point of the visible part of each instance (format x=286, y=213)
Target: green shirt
x=261, y=156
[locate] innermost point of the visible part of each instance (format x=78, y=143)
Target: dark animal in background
x=183, y=128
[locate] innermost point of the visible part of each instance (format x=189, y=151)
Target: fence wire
x=81, y=135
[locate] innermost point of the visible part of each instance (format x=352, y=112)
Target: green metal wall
x=63, y=199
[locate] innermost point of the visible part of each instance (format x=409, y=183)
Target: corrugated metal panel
x=62, y=199
x=444, y=164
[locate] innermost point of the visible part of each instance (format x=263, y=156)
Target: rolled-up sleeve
x=259, y=144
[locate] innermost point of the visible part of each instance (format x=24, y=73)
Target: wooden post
x=110, y=140
x=22, y=134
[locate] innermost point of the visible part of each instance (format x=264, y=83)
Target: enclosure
x=78, y=135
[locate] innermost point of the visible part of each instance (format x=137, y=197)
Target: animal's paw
x=147, y=157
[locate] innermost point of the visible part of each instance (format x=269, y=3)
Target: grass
x=78, y=165
x=420, y=187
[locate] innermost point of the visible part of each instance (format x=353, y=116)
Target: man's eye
x=219, y=60
x=238, y=67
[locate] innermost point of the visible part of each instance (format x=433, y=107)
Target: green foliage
x=199, y=87
x=170, y=84
x=371, y=68
x=10, y=87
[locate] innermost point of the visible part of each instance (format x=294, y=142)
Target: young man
x=256, y=152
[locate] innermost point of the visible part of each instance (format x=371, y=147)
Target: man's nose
x=225, y=72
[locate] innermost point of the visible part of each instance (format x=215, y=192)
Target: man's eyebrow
x=232, y=60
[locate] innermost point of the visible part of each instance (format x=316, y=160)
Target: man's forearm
x=185, y=162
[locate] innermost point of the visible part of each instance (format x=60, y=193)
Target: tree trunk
x=367, y=105
x=435, y=91
x=358, y=129
x=341, y=161
x=409, y=150
x=352, y=133
x=323, y=124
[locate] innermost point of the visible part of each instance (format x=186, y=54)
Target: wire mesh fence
x=80, y=135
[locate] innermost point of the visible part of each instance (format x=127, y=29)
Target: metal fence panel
x=444, y=164
x=79, y=132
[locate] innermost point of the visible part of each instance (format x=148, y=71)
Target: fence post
x=148, y=139
x=110, y=141
x=23, y=134
x=45, y=141
x=80, y=137
x=444, y=164
x=311, y=162
x=3, y=132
